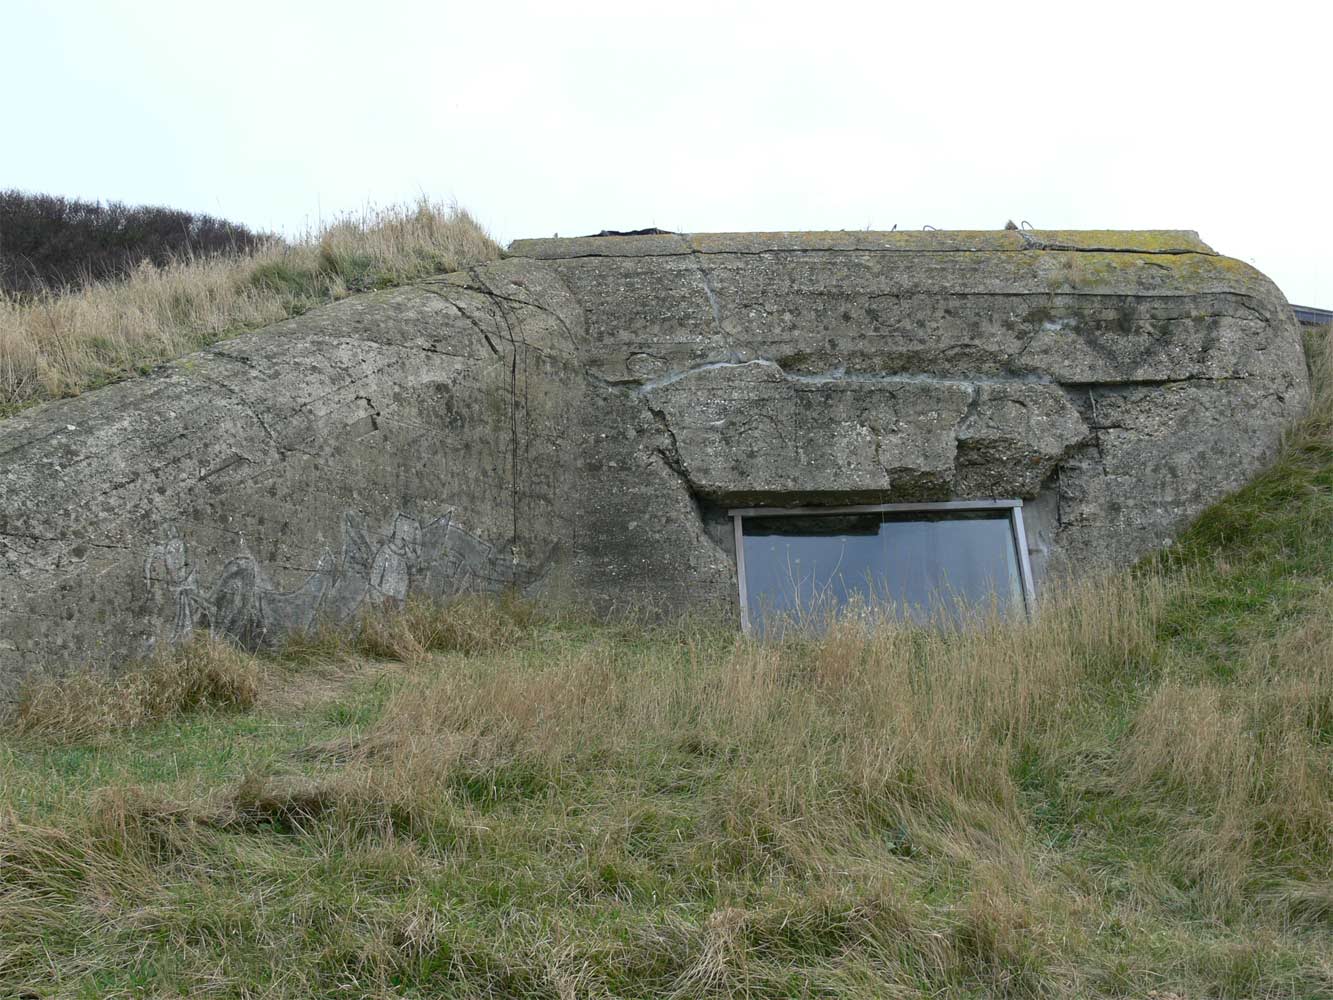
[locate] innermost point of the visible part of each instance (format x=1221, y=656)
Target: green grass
x=1132, y=793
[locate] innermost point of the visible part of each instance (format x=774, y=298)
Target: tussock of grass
x=468, y=624
x=1131, y=793
x=63, y=342
x=206, y=675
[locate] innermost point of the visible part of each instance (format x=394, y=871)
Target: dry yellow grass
x=205, y=674
x=63, y=343
x=1029, y=809
x=911, y=713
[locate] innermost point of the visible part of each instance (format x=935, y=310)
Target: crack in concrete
x=671, y=457
x=251, y=407
x=715, y=307
x=498, y=299
x=1146, y=383
x=1097, y=435
x=840, y=376
x=35, y=441
x=236, y=459
x=665, y=380
x=1033, y=242
x=461, y=312
x=433, y=349
x=970, y=413
x=28, y=536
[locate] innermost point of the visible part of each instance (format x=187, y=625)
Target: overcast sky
x=572, y=118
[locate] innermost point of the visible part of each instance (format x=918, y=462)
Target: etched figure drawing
x=375, y=568
x=179, y=577
x=393, y=563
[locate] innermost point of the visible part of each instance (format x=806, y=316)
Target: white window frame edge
x=1015, y=508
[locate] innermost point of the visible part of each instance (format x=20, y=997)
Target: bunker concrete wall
x=576, y=420
x=414, y=439
x=1117, y=383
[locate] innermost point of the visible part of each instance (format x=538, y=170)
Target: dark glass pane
x=922, y=566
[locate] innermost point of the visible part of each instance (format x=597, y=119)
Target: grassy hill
x=60, y=341
x=1133, y=793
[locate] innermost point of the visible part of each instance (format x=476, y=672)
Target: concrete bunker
x=583, y=419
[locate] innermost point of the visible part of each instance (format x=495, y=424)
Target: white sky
x=571, y=118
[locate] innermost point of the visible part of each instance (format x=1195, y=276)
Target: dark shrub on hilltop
x=47, y=241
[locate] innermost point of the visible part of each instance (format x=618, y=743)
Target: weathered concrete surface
x=411, y=439
x=576, y=420
x=1116, y=382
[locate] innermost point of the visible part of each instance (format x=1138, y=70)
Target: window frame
x=1015, y=518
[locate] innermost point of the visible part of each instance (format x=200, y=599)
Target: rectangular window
x=918, y=562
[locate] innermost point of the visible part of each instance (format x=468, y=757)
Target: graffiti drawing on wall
x=377, y=568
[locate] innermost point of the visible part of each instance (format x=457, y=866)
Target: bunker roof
x=1152, y=241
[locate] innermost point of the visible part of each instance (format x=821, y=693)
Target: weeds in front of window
x=880, y=808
